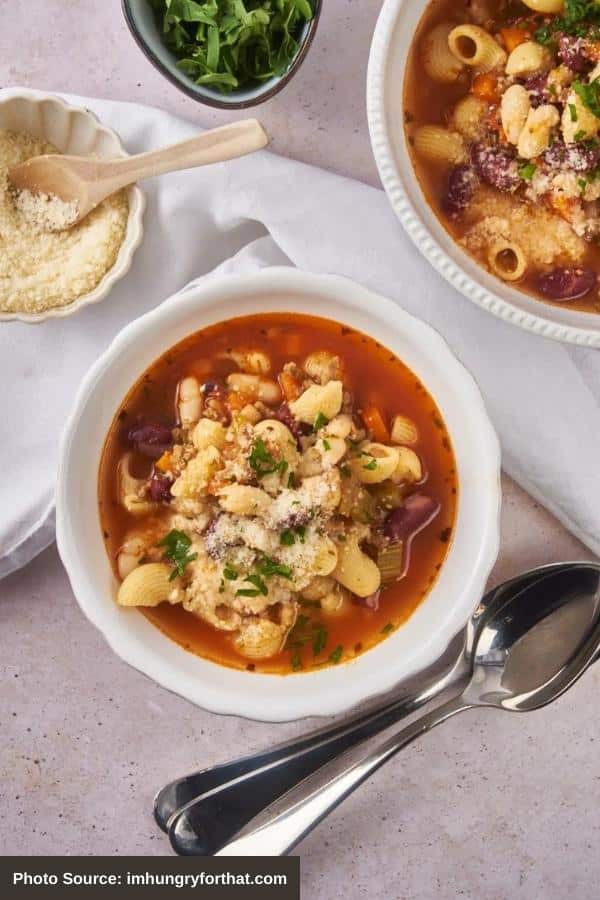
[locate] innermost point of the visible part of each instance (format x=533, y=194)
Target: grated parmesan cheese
x=46, y=211
x=41, y=270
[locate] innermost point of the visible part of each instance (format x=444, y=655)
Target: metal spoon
x=521, y=657
x=217, y=802
x=83, y=182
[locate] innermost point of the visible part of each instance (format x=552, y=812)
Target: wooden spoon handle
x=217, y=145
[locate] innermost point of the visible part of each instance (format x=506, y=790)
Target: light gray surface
x=489, y=807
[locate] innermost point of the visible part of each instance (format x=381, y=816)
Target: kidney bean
x=572, y=53
x=579, y=157
x=496, y=166
x=159, y=487
x=567, y=283
x=406, y=521
x=150, y=439
x=462, y=184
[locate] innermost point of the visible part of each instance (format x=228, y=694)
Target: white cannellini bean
x=189, y=401
x=514, y=110
x=254, y=387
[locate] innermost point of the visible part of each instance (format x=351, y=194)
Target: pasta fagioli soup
x=502, y=115
x=277, y=493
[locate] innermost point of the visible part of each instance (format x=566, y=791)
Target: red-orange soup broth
x=376, y=384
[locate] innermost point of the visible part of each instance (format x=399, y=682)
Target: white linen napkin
x=543, y=397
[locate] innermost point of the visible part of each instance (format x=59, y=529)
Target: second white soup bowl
x=442, y=614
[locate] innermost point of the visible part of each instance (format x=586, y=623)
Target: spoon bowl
x=82, y=183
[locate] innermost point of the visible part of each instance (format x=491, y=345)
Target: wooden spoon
x=86, y=182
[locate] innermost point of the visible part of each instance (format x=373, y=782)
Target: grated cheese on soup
x=41, y=270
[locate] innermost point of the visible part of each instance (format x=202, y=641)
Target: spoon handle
x=219, y=801
x=284, y=823
x=216, y=145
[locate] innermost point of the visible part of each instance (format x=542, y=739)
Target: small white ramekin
x=393, y=36
x=78, y=132
x=443, y=613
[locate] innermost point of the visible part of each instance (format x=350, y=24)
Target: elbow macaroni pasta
x=474, y=47
x=440, y=64
x=439, y=145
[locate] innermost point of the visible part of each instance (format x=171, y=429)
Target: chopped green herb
x=301, y=532
x=527, y=171
x=232, y=43
x=573, y=112
x=177, y=545
x=319, y=640
x=287, y=538
x=387, y=628
x=336, y=654
x=579, y=136
x=263, y=462
x=371, y=466
x=589, y=94
x=268, y=567
x=320, y=422
x=326, y=444
x=582, y=184
x=229, y=573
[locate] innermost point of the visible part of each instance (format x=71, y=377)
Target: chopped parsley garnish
x=263, y=462
x=371, y=466
x=582, y=184
x=229, y=573
x=287, y=538
x=580, y=19
x=177, y=545
x=320, y=422
x=580, y=135
x=387, y=628
x=573, y=112
x=268, y=567
x=326, y=444
x=336, y=654
x=589, y=94
x=319, y=640
x=301, y=532
x=232, y=44
x=527, y=171
x=307, y=631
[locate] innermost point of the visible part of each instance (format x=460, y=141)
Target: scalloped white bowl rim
x=387, y=61
x=137, y=203
x=442, y=614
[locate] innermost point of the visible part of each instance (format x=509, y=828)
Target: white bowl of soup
x=281, y=513
x=485, y=127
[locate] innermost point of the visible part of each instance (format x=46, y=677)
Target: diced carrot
x=289, y=386
x=592, y=49
x=374, y=421
x=512, y=37
x=163, y=464
x=485, y=86
x=237, y=401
